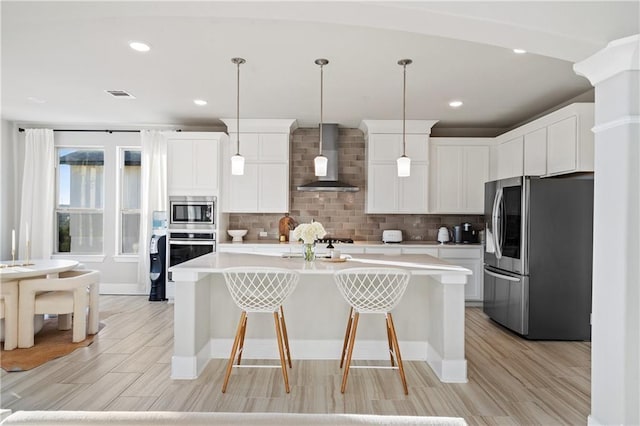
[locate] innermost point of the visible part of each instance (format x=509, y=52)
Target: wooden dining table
x=17, y=270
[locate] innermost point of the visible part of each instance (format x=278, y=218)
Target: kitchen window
x=80, y=200
x=130, y=174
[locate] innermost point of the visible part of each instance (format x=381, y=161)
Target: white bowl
x=237, y=234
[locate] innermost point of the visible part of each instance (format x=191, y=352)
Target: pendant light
x=404, y=162
x=320, y=162
x=237, y=161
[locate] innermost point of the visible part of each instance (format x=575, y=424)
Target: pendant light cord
x=404, y=108
x=321, y=103
x=238, y=111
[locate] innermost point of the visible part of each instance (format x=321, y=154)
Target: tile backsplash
x=342, y=213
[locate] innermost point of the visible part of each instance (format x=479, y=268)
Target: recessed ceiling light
x=200, y=102
x=139, y=46
x=519, y=51
x=455, y=104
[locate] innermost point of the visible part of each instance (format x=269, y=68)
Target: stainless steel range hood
x=330, y=182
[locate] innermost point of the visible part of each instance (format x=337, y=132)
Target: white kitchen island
x=429, y=320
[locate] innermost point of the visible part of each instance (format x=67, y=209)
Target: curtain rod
x=20, y=129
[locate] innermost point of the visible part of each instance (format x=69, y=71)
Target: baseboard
x=320, y=349
x=447, y=370
x=122, y=289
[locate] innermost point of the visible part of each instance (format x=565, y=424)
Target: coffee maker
x=469, y=235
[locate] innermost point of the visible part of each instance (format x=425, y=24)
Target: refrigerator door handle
x=502, y=277
x=495, y=216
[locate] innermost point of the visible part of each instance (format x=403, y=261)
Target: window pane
x=130, y=232
x=80, y=178
x=80, y=233
x=131, y=180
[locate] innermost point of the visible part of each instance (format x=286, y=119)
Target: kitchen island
x=429, y=320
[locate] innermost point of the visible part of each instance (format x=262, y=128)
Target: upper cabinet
x=192, y=162
x=264, y=186
x=459, y=169
x=558, y=143
x=385, y=191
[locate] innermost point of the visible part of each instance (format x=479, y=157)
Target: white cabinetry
x=535, y=153
x=385, y=191
x=470, y=258
x=192, y=162
x=510, y=158
x=264, y=187
x=459, y=169
x=558, y=143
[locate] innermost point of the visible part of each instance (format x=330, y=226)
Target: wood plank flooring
x=511, y=380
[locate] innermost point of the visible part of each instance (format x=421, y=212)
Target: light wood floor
x=511, y=380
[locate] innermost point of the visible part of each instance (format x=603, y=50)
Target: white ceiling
x=68, y=53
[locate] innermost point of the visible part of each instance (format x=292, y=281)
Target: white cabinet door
x=242, y=195
x=510, y=158
x=413, y=190
x=535, y=153
x=459, y=174
x=264, y=188
x=447, y=164
x=475, y=172
x=388, y=193
x=562, y=146
x=273, y=188
x=193, y=163
x=382, y=189
x=470, y=258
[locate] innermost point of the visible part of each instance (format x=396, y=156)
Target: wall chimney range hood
x=330, y=182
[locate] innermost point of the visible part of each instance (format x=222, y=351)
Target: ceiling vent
x=120, y=94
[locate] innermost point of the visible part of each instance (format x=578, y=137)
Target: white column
x=615, y=350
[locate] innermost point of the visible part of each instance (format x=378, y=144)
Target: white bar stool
x=260, y=290
x=372, y=291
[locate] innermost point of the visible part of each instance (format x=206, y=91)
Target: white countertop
x=417, y=264
x=413, y=243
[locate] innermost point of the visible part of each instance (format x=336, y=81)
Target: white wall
x=10, y=182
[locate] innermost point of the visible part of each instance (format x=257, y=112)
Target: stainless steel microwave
x=192, y=212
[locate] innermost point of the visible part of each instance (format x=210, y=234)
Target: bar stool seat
x=372, y=291
x=260, y=290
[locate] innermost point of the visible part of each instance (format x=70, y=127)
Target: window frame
x=119, y=210
x=70, y=210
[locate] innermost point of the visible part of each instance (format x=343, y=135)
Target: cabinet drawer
x=420, y=250
x=460, y=253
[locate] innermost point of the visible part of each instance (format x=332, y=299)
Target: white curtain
x=153, y=193
x=38, y=194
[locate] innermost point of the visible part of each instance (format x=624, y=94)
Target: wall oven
x=192, y=212
x=187, y=245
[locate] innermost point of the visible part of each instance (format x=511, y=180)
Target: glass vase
x=309, y=251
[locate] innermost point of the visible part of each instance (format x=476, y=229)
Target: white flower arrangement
x=309, y=232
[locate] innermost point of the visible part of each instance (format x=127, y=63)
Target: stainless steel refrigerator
x=538, y=256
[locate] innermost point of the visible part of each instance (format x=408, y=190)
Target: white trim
x=419, y=127
x=190, y=367
x=622, y=121
x=619, y=56
x=125, y=258
x=448, y=371
x=250, y=125
x=320, y=349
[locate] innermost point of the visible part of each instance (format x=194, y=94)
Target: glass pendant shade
x=404, y=166
x=237, y=165
x=320, y=165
